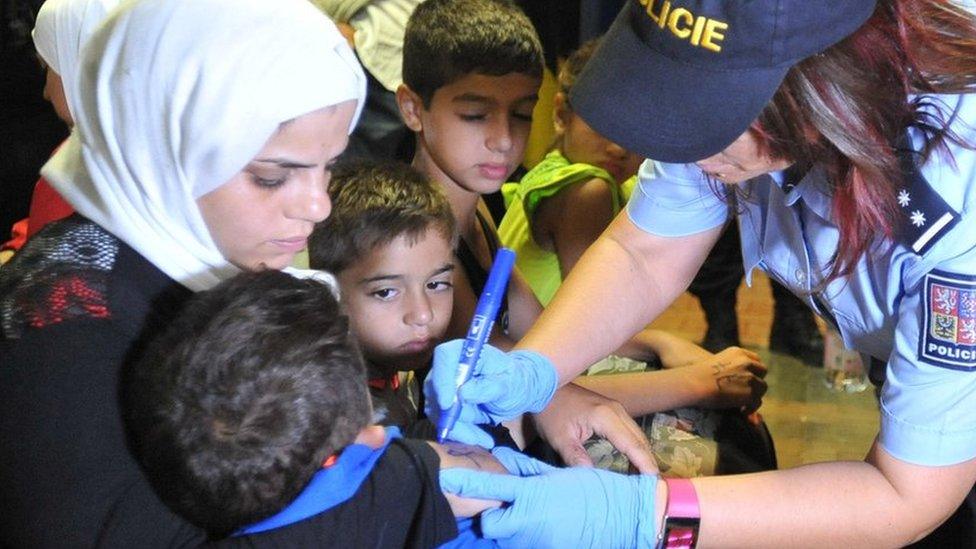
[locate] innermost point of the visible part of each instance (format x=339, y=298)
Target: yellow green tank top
x=539, y=266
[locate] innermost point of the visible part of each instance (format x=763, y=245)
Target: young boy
x=471, y=75
x=250, y=416
x=389, y=240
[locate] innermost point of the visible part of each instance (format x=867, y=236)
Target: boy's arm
x=456, y=454
x=673, y=351
x=730, y=379
x=575, y=218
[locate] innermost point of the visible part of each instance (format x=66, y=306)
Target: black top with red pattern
x=76, y=305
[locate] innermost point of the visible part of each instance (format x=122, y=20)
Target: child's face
x=476, y=128
x=581, y=143
x=399, y=299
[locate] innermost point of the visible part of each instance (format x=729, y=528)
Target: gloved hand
x=574, y=507
x=502, y=386
x=518, y=463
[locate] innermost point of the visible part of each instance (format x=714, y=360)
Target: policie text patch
x=949, y=338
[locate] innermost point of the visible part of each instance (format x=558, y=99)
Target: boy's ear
x=561, y=112
x=410, y=106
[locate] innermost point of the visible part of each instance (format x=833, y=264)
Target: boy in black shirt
x=389, y=240
x=249, y=413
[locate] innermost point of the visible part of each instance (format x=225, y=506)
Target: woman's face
x=262, y=217
x=54, y=93
x=741, y=161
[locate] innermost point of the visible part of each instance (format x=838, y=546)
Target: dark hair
x=571, y=68
x=847, y=108
x=446, y=40
x=373, y=203
x=232, y=409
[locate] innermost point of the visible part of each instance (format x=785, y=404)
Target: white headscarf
x=62, y=27
x=177, y=96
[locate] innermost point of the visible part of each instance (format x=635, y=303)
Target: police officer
x=843, y=133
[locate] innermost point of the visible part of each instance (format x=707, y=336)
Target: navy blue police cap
x=680, y=80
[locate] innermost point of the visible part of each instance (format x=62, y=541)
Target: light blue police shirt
x=910, y=302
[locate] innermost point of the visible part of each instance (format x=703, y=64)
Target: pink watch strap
x=682, y=515
x=682, y=499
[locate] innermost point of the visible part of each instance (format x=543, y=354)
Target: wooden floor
x=809, y=423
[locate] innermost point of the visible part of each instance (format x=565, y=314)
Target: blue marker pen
x=484, y=318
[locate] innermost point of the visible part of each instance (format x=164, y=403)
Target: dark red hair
x=847, y=108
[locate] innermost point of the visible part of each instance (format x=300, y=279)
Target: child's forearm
x=730, y=379
x=643, y=393
x=673, y=351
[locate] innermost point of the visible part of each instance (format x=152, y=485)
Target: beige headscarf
x=177, y=96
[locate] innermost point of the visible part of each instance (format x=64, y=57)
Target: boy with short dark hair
x=389, y=240
x=448, y=40
x=471, y=75
x=250, y=413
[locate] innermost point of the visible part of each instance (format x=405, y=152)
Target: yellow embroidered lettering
x=663, y=16
x=697, y=31
x=678, y=15
x=649, y=4
x=711, y=35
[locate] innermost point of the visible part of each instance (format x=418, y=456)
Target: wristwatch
x=681, y=516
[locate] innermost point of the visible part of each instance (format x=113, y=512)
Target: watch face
x=680, y=533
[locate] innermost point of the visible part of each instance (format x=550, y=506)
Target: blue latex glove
x=520, y=464
x=574, y=507
x=502, y=386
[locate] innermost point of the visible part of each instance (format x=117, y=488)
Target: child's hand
x=734, y=378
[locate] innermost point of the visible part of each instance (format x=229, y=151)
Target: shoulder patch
x=949, y=323
x=926, y=216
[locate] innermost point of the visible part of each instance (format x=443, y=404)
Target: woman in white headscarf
x=62, y=27
x=205, y=131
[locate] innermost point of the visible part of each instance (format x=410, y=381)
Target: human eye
x=472, y=117
x=269, y=181
x=523, y=116
x=384, y=294
x=440, y=285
